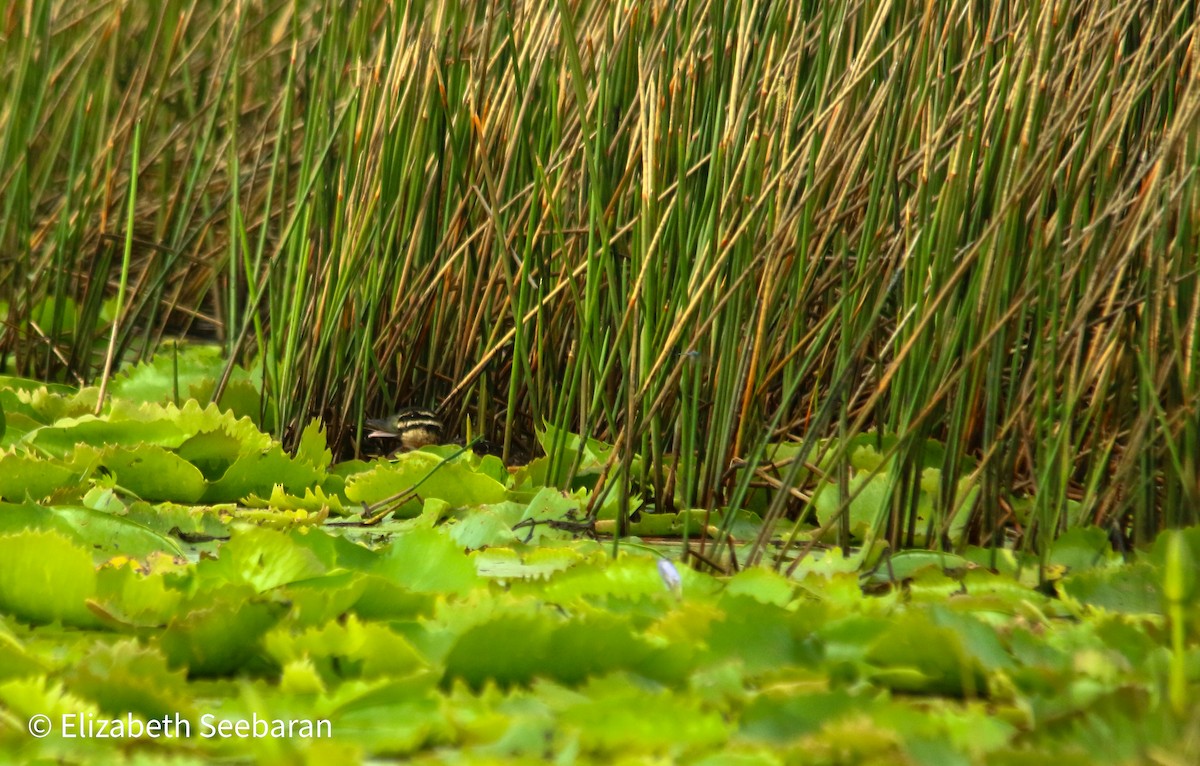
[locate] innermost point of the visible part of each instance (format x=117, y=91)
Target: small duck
x=415, y=427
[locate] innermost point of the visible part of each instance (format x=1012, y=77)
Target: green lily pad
x=455, y=483
x=45, y=578
x=153, y=473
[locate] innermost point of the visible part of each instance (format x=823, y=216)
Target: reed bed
x=696, y=230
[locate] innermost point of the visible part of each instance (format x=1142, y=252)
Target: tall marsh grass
x=692, y=228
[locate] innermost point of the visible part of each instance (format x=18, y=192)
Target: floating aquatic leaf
x=221, y=635
x=45, y=578
x=176, y=373
x=486, y=526
x=153, y=473
x=32, y=476
x=426, y=560
x=258, y=473
x=261, y=558
x=537, y=563
x=126, y=677
x=427, y=475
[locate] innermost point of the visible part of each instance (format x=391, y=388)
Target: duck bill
x=382, y=429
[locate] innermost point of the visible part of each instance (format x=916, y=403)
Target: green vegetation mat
x=170, y=571
x=870, y=328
